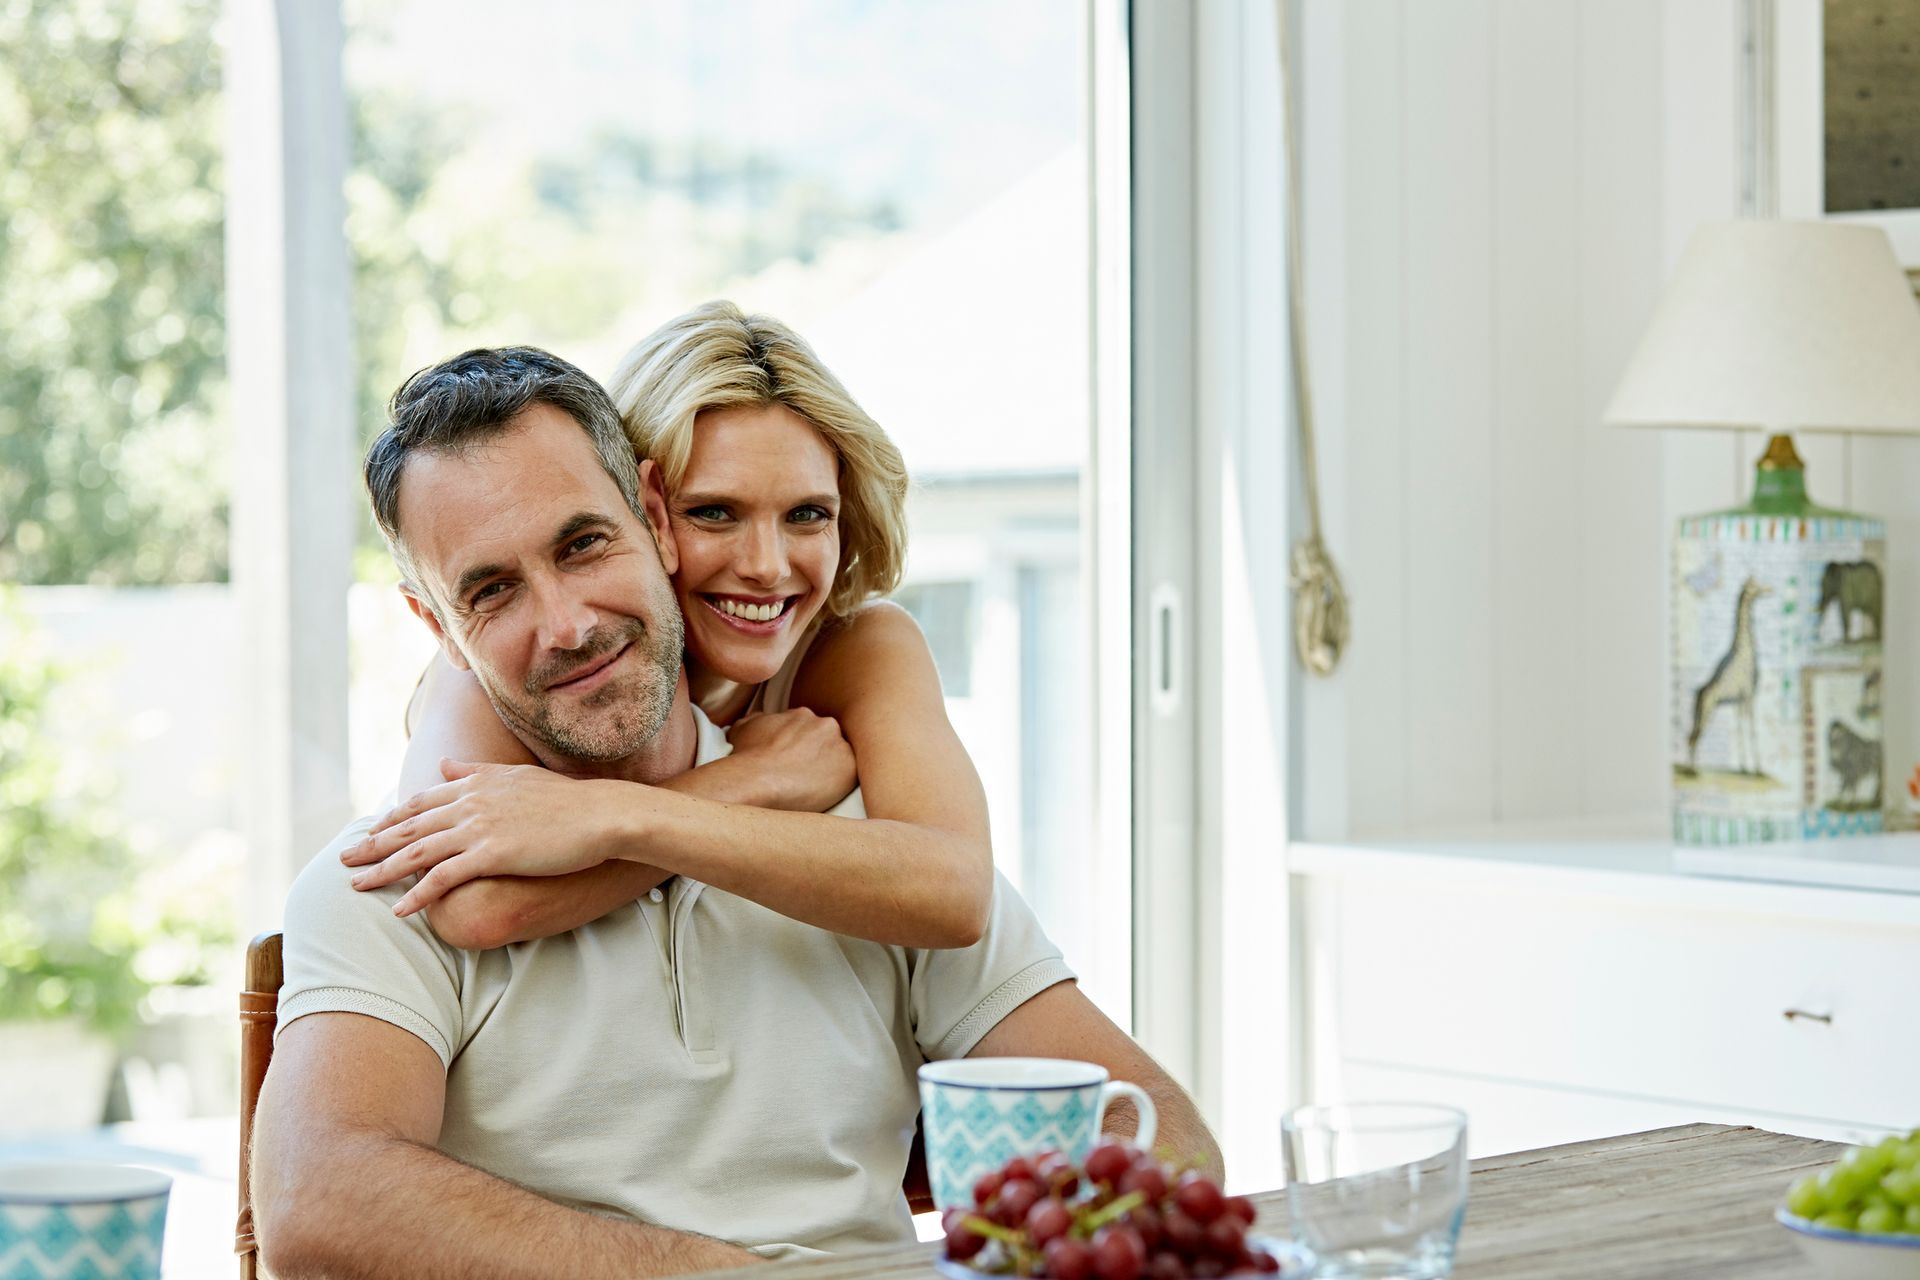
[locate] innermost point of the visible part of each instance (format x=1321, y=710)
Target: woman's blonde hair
x=716, y=356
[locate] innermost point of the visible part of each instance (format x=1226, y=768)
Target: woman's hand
x=489, y=820
x=803, y=762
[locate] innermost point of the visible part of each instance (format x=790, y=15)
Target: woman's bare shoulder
x=876, y=650
x=451, y=716
x=873, y=629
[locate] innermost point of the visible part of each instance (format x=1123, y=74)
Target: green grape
x=1844, y=1183
x=1879, y=1219
x=1909, y=1157
x=1902, y=1186
x=1806, y=1199
x=1912, y=1220
x=1878, y=1199
x=1838, y=1220
x=1873, y=1160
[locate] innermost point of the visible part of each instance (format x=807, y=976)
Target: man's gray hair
x=462, y=403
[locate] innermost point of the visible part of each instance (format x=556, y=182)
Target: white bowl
x=1853, y=1255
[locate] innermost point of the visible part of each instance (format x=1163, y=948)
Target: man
x=652, y=1092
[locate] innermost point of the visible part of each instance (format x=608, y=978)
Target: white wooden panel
x=1537, y=418
x=1621, y=665
x=1503, y=1116
x=1700, y=148
x=1800, y=108
x=1633, y=998
x=1449, y=492
x=1372, y=428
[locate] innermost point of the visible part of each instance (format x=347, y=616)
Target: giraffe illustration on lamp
x=1734, y=681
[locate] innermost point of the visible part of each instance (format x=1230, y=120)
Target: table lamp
x=1777, y=605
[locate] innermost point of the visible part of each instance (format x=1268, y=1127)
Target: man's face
x=541, y=581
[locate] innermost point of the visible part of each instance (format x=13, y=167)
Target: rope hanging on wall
x=1320, y=621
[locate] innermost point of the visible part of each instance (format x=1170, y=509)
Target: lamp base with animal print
x=1776, y=670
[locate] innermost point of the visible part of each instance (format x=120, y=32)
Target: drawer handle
x=1795, y=1015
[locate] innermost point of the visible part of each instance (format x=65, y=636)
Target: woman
x=785, y=502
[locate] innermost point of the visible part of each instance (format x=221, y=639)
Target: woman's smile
x=756, y=522
x=752, y=615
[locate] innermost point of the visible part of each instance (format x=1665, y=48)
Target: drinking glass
x=1377, y=1189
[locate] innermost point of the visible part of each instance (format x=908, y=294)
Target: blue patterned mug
x=979, y=1113
x=65, y=1221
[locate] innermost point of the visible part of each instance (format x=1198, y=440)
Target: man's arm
x=1061, y=1022
x=347, y=1183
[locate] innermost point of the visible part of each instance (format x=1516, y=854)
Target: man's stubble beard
x=632, y=707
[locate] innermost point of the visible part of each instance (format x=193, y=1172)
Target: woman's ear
x=653, y=499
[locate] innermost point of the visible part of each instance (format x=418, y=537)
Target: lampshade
x=1783, y=326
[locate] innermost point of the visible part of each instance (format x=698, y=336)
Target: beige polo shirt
x=700, y=1062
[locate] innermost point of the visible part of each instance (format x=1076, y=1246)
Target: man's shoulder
x=323, y=892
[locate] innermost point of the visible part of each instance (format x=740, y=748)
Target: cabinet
x=1564, y=983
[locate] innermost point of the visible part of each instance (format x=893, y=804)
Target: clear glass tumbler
x=1377, y=1189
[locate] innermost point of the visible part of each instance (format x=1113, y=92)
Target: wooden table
x=1696, y=1200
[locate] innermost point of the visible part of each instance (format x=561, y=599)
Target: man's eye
x=585, y=542
x=486, y=593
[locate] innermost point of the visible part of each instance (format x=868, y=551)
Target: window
x=908, y=186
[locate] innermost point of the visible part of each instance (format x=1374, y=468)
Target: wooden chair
x=259, y=1013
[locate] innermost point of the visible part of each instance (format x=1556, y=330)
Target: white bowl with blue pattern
x=81, y=1221
x=1854, y=1255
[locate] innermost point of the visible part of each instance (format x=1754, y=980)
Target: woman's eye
x=810, y=515
x=707, y=513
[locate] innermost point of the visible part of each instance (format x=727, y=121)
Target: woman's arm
x=918, y=872
x=792, y=760
x=932, y=865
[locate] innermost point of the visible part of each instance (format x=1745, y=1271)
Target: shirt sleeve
x=957, y=996
x=344, y=952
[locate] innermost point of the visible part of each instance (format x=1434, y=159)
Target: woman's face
x=757, y=522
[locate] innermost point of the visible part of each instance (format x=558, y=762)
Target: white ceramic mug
x=978, y=1113
x=65, y=1220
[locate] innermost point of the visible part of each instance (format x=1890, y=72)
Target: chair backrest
x=259, y=1011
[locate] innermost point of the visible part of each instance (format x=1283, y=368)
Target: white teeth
x=753, y=612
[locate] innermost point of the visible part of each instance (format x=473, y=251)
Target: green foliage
x=114, y=424
x=112, y=341
x=86, y=924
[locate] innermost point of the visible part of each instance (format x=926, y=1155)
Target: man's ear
x=424, y=611
x=653, y=498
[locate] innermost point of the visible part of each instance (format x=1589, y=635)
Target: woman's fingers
x=417, y=803
x=415, y=857
x=384, y=844
x=443, y=879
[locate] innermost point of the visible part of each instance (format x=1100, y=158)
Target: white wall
x=1499, y=190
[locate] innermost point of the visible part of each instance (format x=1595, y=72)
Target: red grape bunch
x=1124, y=1216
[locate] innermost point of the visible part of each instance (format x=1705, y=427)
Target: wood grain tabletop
x=1691, y=1201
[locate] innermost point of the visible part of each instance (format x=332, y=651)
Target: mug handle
x=1149, y=1119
